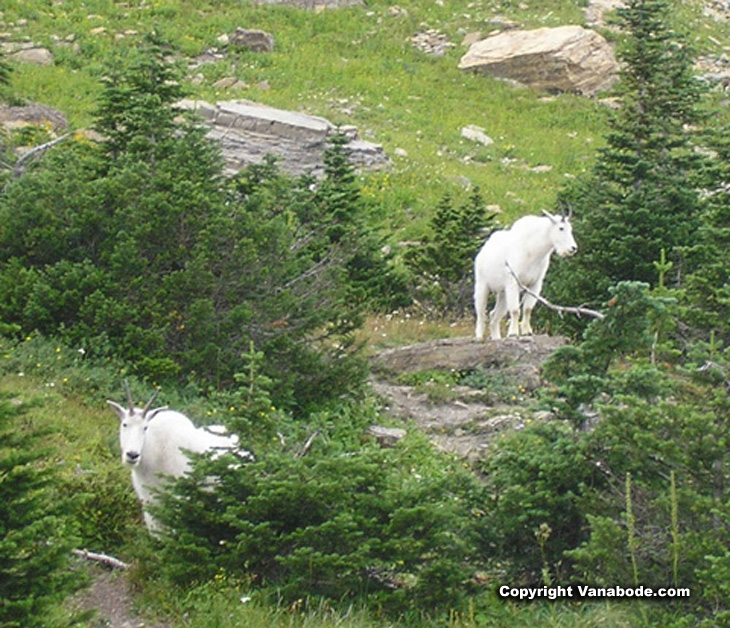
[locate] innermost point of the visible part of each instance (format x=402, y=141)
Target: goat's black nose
x=132, y=456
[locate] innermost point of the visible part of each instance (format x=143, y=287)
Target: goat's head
x=561, y=233
x=133, y=424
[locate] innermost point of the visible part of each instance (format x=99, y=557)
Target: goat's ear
x=119, y=410
x=152, y=413
x=553, y=219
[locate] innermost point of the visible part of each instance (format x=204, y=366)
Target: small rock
x=542, y=169
x=476, y=134
x=386, y=436
x=228, y=82
x=432, y=42
x=471, y=38
x=35, y=56
x=252, y=39
x=596, y=11
x=544, y=415
x=464, y=182
x=502, y=23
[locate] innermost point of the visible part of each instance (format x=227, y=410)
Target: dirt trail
x=111, y=598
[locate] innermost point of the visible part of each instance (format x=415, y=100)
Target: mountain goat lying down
x=524, y=250
x=154, y=443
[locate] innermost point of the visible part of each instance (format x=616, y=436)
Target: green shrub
x=539, y=476
x=348, y=520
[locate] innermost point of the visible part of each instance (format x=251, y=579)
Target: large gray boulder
x=563, y=59
x=248, y=131
x=33, y=114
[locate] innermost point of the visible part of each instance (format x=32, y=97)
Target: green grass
x=356, y=66
x=353, y=66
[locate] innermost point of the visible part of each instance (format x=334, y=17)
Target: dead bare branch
x=308, y=445
x=104, y=559
x=18, y=168
x=560, y=309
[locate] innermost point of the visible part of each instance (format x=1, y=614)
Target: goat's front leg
x=528, y=304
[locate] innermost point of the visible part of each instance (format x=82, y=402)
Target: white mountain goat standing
x=154, y=443
x=524, y=250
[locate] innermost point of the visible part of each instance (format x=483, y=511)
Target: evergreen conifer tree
x=35, y=538
x=134, y=112
x=708, y=287
x=346, y=219
x=641, y=196
x=444, y=263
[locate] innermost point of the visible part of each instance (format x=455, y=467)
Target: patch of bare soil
x=461, y=426
x=111, y=600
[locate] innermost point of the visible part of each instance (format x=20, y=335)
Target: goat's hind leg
x=496, y=316
x=481, y=294
x=512, y=305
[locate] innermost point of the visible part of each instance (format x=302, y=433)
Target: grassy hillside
x=356, y=66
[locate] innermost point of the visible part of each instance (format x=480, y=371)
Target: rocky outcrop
x=516, y=358
x=248, y=131
x=463, y=426
x=464, y=421
x=563, y=59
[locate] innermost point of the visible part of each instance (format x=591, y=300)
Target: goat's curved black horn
x=128, y=392
x=148, y=405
